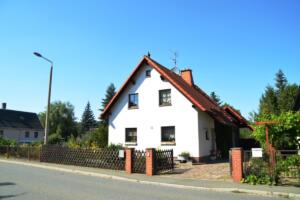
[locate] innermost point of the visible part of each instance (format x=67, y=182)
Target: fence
x=164, y=161
x=283, y=166
x=24, y=152
x=158, y=161
x=99, y=158
x=139, y=161
x=290, y=171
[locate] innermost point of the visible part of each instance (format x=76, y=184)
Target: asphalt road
x=30, y=183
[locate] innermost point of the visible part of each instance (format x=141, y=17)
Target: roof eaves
x=116, y=96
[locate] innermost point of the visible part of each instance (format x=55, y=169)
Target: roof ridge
x=17, y=111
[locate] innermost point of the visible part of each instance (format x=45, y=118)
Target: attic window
x=133, y=100
x=165, y=97
x=148, y=73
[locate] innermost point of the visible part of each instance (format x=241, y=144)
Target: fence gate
x=164, y=161
x=139, y=161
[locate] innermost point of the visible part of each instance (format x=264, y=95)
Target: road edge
x=94, y=174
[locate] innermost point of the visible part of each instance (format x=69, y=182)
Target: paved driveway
x=212, y=171
x=24, y=182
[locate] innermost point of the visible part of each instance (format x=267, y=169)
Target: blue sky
x=233, y=47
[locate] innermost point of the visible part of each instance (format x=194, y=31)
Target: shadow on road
x=10, y=196
x=6, y=183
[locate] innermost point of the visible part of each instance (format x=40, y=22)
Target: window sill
x=133, y=108
x=130, y=144
x=164, y=105
x=168, y=143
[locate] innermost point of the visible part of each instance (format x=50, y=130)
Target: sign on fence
x=257, y=152
x=121, y=153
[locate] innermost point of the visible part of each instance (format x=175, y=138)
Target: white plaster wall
x=19, y=134
x=205, y=122
x=149, y=117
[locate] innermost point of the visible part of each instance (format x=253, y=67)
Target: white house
x=158, y=108
x=23, y=127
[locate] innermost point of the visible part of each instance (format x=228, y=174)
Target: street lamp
x=49, y=96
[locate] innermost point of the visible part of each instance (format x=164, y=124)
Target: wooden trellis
x=164, y=160
x=139, y=161
x=98, y=158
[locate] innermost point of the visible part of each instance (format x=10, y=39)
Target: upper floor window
x=36, y=134
x=148, y=73
x=130, y=135
x=133, y=100
x=1, y=133
x=27, y=134
x=165, y=97
x=168, y=134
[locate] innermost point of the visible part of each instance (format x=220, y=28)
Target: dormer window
x=133, y=101
x=148, y=73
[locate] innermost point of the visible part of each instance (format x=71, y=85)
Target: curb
x=94, y=174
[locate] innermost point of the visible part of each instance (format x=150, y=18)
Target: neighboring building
x=24, y=127
x=158, y=108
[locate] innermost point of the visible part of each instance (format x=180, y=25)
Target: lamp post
x=49, y=96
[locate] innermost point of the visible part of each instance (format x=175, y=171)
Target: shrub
x=55, y=139
x=185, y=154
x=285, y=166
x=72, y=142
x=257, y=172
x=115, y=146
x=4, y=142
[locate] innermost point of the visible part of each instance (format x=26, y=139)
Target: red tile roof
x=193, y=93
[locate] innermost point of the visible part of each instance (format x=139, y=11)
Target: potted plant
x=183, y=156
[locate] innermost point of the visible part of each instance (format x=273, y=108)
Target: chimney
x=4, y=106
x=187, y=76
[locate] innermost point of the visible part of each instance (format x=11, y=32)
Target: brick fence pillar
x=129, y=153
x=237, y=163
x=150, y=160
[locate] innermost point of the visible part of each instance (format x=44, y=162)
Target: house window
x=133, y=100
x=206, y=132
x=165, y=97
x=168, y=135
x=130, y=135
x=148, y=73
x=27, y=134
x=36, y=134
x=1, y=133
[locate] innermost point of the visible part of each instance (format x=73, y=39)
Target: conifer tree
x=281, y=80
x=216, y=98
x=110, y=93
x=88, y=119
